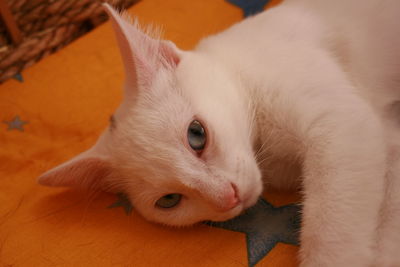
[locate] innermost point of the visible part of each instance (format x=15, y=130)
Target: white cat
x=304, y=95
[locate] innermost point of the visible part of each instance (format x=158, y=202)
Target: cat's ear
x=87, y=170
x=142, y=55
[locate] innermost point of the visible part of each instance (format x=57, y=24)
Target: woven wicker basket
x=43, y=27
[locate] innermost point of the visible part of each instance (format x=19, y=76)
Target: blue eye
x=169, y=201
x=196, y=136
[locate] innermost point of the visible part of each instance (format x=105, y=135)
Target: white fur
x=306, y=94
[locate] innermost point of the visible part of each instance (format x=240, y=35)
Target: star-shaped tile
x=265, y=226
x=16, y=124
x=18, y=77
x=124, y=202
x=250, y=7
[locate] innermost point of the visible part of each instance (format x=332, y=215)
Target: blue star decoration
x=250, y=7
x=16, y=124
x=122, y=201
x=18, y=77
x=265, y=226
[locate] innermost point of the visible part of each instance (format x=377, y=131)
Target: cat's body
x=309, y=89
x=327, y=85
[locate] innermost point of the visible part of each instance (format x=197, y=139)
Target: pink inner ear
x=169, y=54
x=83, y=173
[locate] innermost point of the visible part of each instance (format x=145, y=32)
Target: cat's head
x=179, y=146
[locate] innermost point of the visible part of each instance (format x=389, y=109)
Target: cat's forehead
x=158, y=119
x=196, y=71
x=163, y=100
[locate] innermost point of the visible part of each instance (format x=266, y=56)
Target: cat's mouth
x=245, y=203
x=235, y=212
x=245, y=200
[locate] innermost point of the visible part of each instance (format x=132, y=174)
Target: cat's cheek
x=251, y=197
x=250, y=187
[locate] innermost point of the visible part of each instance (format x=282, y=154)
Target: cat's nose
x=230, y=200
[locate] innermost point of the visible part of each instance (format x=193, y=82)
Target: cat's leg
x=389, y=227
x=343, y=180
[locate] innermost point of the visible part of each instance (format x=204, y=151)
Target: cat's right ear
x=143, y=56
x=88, y=170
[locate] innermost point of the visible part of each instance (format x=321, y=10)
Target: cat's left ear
x=88, y=170
x=143, y=56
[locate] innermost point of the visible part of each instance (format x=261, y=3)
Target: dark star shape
x=250, y=7
x=124, y=202
x=265, y=226
x=16, y=124
x=18, y=77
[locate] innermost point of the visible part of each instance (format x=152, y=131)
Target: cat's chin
x=229, y=215
x=238, y=210
x=249, y=201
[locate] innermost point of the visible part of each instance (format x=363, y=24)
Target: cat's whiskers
x=266, y=158
x=252, y=119
x=265, y=146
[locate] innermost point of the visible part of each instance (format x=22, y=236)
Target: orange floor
x=66, y=100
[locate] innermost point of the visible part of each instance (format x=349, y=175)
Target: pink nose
x=230, y=200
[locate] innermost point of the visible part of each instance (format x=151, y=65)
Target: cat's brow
x=112, y=122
